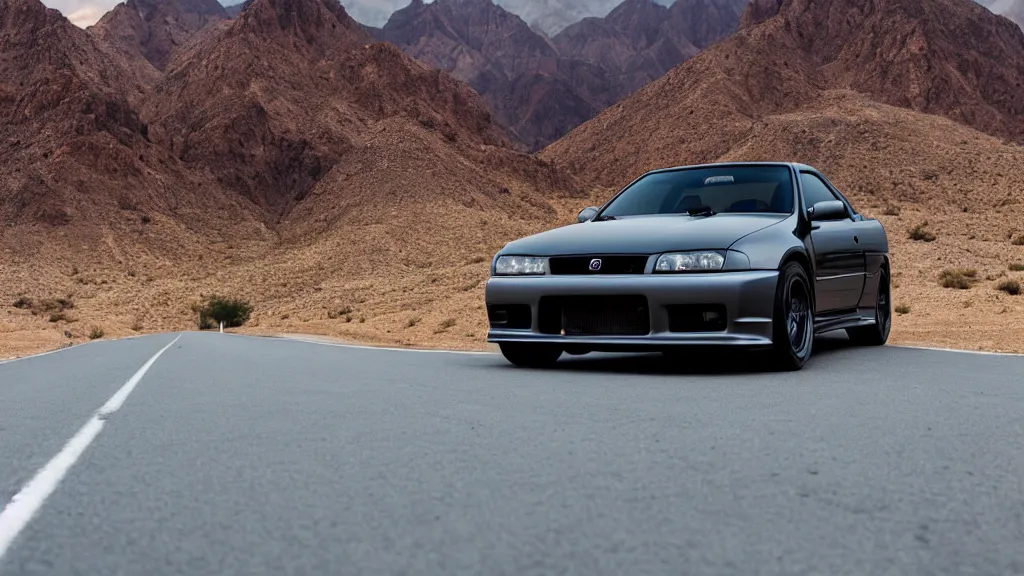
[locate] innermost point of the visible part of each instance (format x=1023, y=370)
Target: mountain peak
x=21, y=15
x=153, y=29
x=760, y=10
x=319, y=23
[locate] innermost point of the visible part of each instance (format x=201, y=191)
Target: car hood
x=644, y=235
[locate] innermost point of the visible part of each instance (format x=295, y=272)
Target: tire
x=793, y=319
x=530, y=355
x=878, y=334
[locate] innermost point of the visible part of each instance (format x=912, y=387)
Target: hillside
x=79, y=164
x=283, y=157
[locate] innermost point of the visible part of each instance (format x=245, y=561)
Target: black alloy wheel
x=793, y=325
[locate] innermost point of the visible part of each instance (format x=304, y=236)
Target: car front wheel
x=793, y=323
x=530, y=355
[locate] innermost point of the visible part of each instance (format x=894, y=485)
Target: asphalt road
x=240, y=455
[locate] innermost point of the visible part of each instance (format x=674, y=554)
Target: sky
x=86, y=12
x=372, y=12
x=549, y=14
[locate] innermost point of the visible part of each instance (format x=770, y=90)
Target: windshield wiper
x=701, y=211
x=604, y=218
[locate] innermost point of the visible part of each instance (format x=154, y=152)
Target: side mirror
x=827, y=210
x=587, y=214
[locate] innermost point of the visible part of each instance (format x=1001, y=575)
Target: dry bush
x=902, y=309
x=921, y=233
x=1011, y=287
x=960, y=278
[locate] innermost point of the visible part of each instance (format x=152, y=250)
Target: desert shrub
x=412, y=322
x=96, y=333
x=921, y=233
x=45, y=306
x=233, y=312
x=445, y=325
x=903, y=309
x=1018, y=241
x=343, y=312
x=1019, y=267
x=960, y=278
x=1011, y=287
x=891, y=210
x=58, y=316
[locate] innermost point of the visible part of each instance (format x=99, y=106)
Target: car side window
x=814, y=190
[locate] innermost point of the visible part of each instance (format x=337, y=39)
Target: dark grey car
x=751, y=255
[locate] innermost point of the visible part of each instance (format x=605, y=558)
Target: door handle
x=857, y=240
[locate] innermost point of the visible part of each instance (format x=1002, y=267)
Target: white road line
x=55, y=350
x=935, y=349
x=27, y=502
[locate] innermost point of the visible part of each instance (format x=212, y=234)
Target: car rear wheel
x=793, y=322
x=530, y=355
x=878, y=334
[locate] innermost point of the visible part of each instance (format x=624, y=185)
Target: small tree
x=232, y=312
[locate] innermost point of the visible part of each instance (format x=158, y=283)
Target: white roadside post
x=221, y=326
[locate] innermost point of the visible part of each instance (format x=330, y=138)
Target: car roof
x=795, y=165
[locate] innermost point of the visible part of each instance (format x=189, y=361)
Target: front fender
x=769, y=247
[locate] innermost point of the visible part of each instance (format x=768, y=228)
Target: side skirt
x=843, y=319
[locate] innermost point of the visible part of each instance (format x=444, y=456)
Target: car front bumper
x=747, y=298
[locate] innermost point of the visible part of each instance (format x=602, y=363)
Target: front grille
x=595, y=315
x=564, y=265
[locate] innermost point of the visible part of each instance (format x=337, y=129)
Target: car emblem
x=595, y=264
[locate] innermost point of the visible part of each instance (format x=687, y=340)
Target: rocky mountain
x=282, y=144
x=155, y=28
x=78, y=159
x=641, y=40
x=944, y=57
x=541, y=87
x=531, y=89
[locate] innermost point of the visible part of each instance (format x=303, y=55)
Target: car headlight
x=520, y=265
x=689, y=262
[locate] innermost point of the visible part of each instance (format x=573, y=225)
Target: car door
x=838, y=257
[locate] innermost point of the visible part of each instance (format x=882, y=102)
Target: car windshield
x=722, y=189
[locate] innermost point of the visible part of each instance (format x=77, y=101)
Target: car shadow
x=697, y=362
